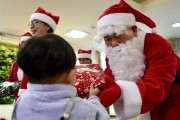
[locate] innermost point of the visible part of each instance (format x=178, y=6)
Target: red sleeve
x=13, y=73
x=161, y=66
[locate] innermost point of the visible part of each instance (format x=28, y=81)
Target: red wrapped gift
x=87, y=74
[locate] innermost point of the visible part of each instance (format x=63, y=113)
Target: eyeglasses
x=34, y=23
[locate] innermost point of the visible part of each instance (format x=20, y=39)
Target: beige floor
x=5, y=111
x=112, y=113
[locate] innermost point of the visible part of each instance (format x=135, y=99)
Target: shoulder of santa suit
x=154, y=39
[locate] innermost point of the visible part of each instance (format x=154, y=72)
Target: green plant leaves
x=7, y=57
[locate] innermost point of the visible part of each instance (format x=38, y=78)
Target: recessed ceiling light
x=76, y=34
x=176, y=25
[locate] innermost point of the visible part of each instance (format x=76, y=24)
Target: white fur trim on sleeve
x=131, y=96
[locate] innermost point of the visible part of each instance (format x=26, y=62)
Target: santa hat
x=46, y=17
x=84, y=54
x=117, y=17
x=24, y=37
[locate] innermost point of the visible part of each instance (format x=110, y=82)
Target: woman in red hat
x=41, y=23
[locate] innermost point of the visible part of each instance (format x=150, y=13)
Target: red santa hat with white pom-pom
x=84, y=54
x=24, y=37
x=117, y=17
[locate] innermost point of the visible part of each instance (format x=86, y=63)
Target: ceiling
x=82, y=15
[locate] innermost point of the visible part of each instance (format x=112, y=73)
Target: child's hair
x=45, y=57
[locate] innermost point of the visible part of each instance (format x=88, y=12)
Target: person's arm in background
x=13, y=73
x=11, y=84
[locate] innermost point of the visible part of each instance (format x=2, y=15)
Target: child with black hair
x=48, y=63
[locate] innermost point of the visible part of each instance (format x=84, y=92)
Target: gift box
x=87, y=74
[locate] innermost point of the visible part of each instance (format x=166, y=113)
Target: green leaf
x=7, y=57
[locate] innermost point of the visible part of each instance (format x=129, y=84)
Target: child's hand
x=94, y=91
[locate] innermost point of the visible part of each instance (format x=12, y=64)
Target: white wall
x=10, y=39
x=102, y=60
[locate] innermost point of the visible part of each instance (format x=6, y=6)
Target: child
x=48, y=63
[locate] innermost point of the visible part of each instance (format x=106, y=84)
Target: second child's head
x=47, y=60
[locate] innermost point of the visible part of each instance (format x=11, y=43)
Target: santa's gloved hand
x=111, y=93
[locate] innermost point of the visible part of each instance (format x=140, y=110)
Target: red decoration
x=87, y=74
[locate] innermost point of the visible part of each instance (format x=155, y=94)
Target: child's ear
x=70, y=76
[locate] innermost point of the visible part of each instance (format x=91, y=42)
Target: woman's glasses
x=34, y=23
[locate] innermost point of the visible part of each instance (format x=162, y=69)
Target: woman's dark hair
x=45, y=57
x=50, y=30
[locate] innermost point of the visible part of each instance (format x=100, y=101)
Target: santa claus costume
x=144, y=68
x=16, y=74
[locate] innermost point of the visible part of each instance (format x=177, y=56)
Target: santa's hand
x=111, y=94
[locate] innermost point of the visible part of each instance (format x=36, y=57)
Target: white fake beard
x=127, y=60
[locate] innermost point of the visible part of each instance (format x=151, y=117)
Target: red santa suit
x=150, y=91
x=153, y=92
x=16, y=73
